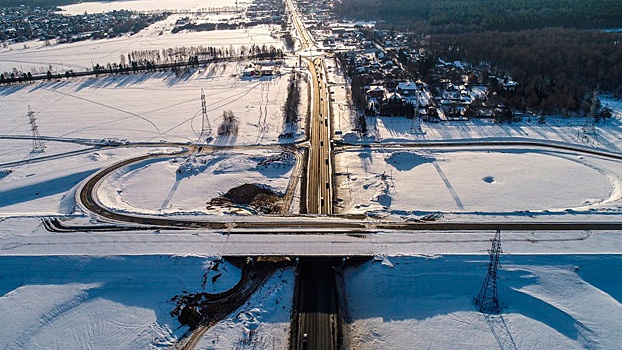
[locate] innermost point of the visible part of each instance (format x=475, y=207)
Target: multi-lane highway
x=317, y=320
x=319, y=178
x=317, y=314
x=319, y=174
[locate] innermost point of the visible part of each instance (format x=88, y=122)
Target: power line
x=206, y=127
x=415, y=128
x=37, y=142
x=587, y=133
x=487, y=300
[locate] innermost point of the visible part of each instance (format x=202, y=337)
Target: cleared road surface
x=317, y=317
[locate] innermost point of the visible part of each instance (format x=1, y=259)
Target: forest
x=456, y=16
x=557, y=68
x=557, y=50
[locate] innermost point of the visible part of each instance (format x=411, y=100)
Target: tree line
x=477, y=15
x=557, y=68
x=151, y=60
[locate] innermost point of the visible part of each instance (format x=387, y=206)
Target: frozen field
x=482, y=181
x=99, y=303
x=150, y=106
x=549, y=302
x=146, y=5
x=84, y=55
x=49, y=187
x=396, y=129
x=202, y=178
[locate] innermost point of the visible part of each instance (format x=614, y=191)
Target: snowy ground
x=99, y=303
x=341, y=113
x=396, y=129
x=33, y=56
x=150, y=106
x=146, y=5
x=49, y=187
x=477, y=181
x=186, y=184
x=262, y=323
x=549, y=302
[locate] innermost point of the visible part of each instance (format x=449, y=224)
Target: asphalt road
x=318, y=305
x=319, y=179
x=319, y=174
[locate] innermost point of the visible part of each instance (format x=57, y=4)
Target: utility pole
x=487, y=300
x=37, y=142
x=206, y=127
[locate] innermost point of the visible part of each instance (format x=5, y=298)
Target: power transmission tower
x=37, y=142
x=587, y=133
x=206, y=127
x=415, y=128
x=487, y=300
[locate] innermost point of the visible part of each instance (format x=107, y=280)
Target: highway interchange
x=317, y=317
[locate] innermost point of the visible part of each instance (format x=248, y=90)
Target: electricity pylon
x=37, y=142
x=587, y=133
x=487, y=300
x=206, y=127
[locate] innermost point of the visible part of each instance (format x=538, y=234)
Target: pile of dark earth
x=259, y=198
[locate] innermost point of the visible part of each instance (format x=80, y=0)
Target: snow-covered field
x=49, y=187
x=549, y=302
x=341, y=113
x=186, y=184
x=262, y=323
x=85, y=54
x=150, y=106
x=396, y=129
x=482, y=180
x=99, y=303
x=146, y=5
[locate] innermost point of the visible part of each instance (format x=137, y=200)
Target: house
x=376, y=92
x=407, y=89
x=510, y=85
x=265, y=70
x=248, y=72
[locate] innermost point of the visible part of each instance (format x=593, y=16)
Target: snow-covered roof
x=407, y=86
x=396, y=96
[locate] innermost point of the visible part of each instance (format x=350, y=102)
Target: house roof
x=395, y=96
x=407, y=86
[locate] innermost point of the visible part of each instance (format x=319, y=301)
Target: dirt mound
x=260, y=198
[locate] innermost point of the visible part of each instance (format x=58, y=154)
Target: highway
x=317, y=316
x=319, y=178
x=319, y=174
x=317, y=312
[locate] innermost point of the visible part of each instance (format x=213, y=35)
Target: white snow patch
x=187, y=184
x=99, y=303
x=425, y=304
x=465, y=180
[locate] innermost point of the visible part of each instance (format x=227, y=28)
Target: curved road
x=88, y=199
